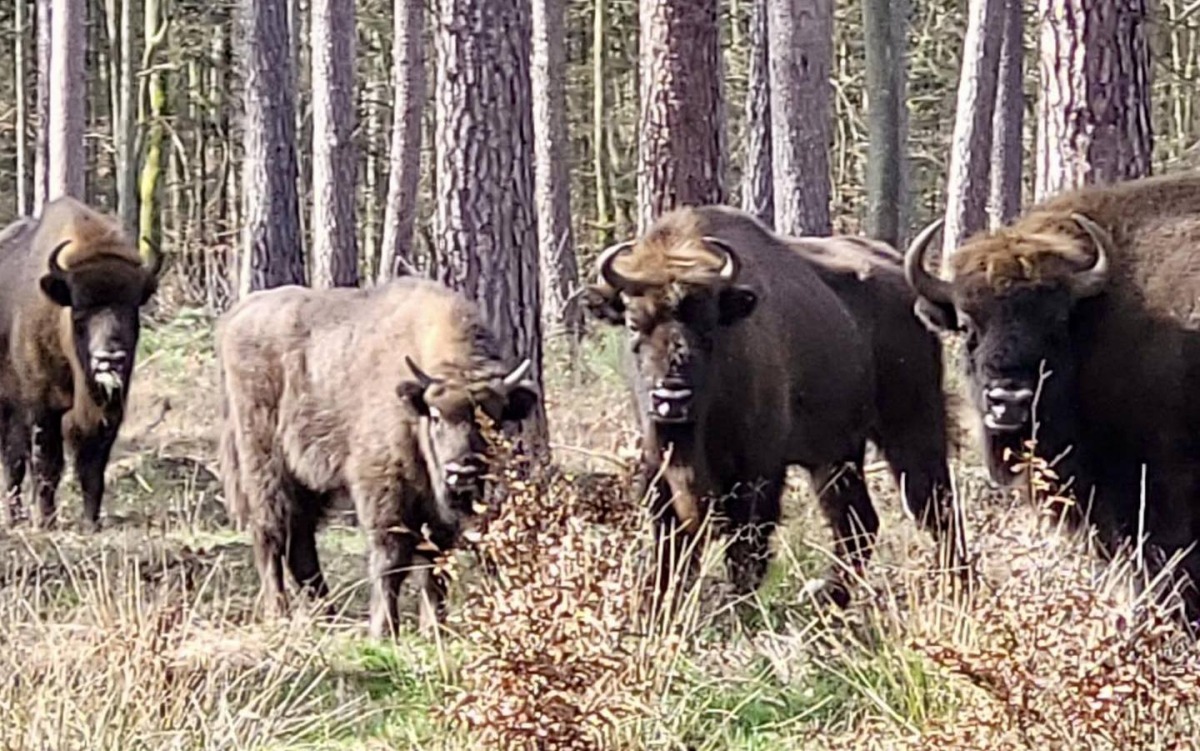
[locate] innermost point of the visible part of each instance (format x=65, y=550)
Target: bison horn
x=925, y=284
x=422, y=377
x=56, y=269
x=513, y=378
x=608, y=274
x=157, y=257
x=1091, y=281
x=730, y=265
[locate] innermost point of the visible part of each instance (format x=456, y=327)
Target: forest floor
x=144, y=635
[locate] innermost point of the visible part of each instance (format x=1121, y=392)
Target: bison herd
x=748, y=352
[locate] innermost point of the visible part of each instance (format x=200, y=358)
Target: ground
x=144, y=636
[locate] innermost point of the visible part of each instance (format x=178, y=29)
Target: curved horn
x=513, y=378
x=730, y=266
x=925, y=284
x=1092, y=281
x=157, y=257
x=606, y=272
x=56, y=269
x=422, y=377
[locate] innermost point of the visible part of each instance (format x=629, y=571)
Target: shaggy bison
x=71, y=286
x=367, y=392
x=753, y=352
x=1082, y=321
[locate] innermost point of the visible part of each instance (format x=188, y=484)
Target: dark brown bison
x=1082, y=318
x=71, y=286
x=371, y=393
x=753, y=352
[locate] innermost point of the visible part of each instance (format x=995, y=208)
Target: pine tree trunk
x=885, y=64
x=971, y=150
x=552, y=176
x=486, y=222
x=600, y=138
x=20, y=30
x=156, y=25
x=41, y=167
x=1094, y=117
x=1008, y=120
x=119, y=16
x=334, y=181
x=404, y=159
x=758, y=182
x=680, y=149
x=273, y=254
x=801, y=54
x=68, y=91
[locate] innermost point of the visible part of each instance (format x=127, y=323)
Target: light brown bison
x=71, y=286
x=1083, y=318
x=371, y=393
x=753, y=352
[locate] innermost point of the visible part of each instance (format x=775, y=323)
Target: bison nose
x=105, y=360
x=671, y=400
x=461, y=475
x=1008, y=406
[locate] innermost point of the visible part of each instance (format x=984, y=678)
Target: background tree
x=970, y=152
x=152, y=116
x=884, y=23
x=68, y=94
x=334, y=243
x=404, y=159
x=1008, y=120
x=123, y=104
x=271, y=245
x=758, y=183
x=552, y=172
x=1094, y=115
x=486, y=224
x=41, y=155
x=681, y=157
x=801, y=54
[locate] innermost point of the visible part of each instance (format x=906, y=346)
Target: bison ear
x=735, y=304
x=521, y=401
x=57, y=289
x=413, y=393
x=937, y=317
x=604, y=303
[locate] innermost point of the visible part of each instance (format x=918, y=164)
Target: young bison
x=71, y=285
x=367, y=392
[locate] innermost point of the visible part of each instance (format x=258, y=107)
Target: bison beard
x=752, y=352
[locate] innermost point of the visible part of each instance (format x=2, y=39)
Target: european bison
x=753, y=352
x=71, y=286
x=368, y=392
x=1081, y=318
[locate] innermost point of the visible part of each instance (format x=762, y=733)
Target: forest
x=499, y=147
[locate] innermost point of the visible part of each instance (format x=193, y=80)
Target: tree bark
x=552, y=176
x=20, y=29
x=758, y=181
x=68, y=91
x=119, y=14
x=680, y=156
x=801, y=54
x=1008, y=120
x=885, y=65
x=971, y=149
x=404, y=161
x=600, y=136
x=1094, y=117
x=41, y=167
x=335, y=241
x=485, y=222
x=271, y=235
x=156, y=26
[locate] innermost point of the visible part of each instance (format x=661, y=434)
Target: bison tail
x=236, y=502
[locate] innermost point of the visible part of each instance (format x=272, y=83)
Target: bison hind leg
x=14, y=446
x=846, y=504
x=302, y=559
x=48, y=465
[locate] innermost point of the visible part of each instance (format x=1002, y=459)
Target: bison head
x=104, y=296
x=450, y=438
x=1015, y=294
x=673, y=321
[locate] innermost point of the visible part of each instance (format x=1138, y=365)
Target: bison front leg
x=846, y=504
x=47, y=465
x=753, y=510
x=391, y=559
x=14, y=446
x=91, y=452
x=432, y=595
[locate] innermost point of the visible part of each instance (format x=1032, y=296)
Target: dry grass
x=141, y=638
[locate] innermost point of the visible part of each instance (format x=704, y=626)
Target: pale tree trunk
x=605, y=223
x=552, y=176
x=971, y=148
x=41, y=167
x=680, y=155
x=119, y=15
x=885, y=64
x=271, y=234
x=20, y=30
x=758, y=181
x=68, y=91
x=404, y=159
x=334, y=242
x=486, y=223
x=1094, y=116
x=801, y=54
x=1008, y=120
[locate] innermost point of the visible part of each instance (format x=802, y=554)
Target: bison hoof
x=828, y=591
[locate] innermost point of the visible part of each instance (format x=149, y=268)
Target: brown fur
x=309, y=381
